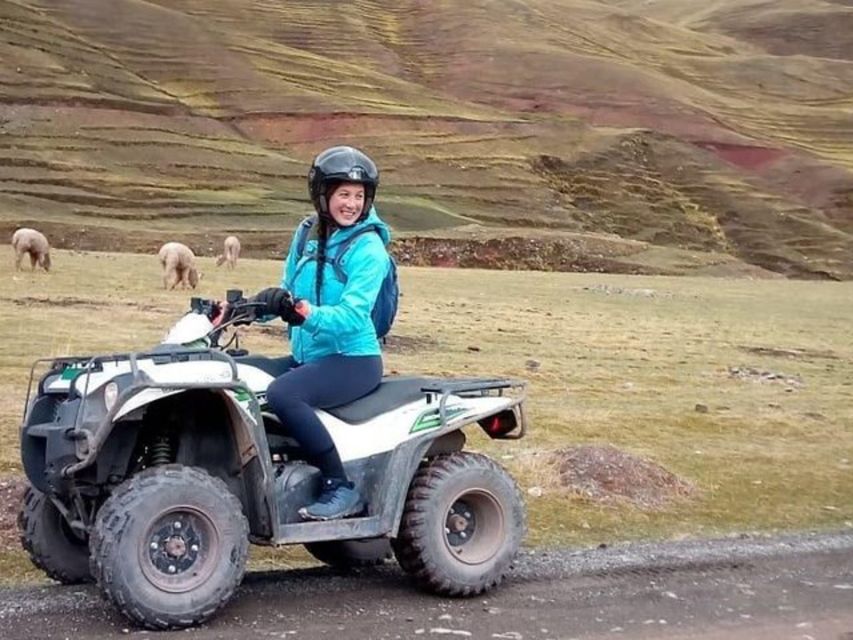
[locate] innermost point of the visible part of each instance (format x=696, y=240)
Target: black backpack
x=385, y=308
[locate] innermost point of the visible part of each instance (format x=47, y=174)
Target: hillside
x=722, y=129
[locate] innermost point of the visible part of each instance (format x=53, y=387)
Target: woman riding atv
x=335, y=353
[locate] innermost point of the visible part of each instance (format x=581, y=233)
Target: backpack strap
x=303, y=235
x=345, y=245
x=303, y=231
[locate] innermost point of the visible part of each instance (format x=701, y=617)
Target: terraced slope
x=721, y=127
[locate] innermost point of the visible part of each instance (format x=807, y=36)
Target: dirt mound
x=606, y=474
x=11, y=493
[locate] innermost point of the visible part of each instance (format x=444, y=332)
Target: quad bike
x=152, y=472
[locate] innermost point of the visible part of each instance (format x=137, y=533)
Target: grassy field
x=621, y=360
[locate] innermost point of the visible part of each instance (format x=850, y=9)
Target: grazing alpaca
x=178, y=266
x=34, y=243
x=232, y=252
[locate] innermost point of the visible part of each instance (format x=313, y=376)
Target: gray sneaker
x=338, y=499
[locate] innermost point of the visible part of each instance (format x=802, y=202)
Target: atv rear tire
x=53, y=546
x=348, y=554
x=169, y=546
x=462, y=525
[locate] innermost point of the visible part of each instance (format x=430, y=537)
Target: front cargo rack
x=86, y=365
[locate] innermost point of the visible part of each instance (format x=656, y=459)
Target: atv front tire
x=53, y=546
x=348, y=554
x=169, y=546
x=462, y=525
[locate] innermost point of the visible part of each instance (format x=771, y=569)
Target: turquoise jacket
x=341, y=323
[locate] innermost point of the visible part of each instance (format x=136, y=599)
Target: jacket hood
x=372, y=220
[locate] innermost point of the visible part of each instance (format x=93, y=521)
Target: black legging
x=322, y=384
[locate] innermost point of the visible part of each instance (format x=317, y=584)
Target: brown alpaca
x=178, y=266
x=35, y=244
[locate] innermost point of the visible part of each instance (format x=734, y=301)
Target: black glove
x=277, y=302
x=291, y=315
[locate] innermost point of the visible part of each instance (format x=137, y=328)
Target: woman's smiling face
x=346, y=203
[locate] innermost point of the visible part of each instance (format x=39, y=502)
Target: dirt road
x=736, y=589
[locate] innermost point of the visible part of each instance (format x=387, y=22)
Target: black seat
x=392, y=392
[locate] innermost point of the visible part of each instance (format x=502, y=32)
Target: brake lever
x=248, y=310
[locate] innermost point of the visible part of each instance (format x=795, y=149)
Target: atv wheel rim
x=72, y=535
x=180, y=549
x=474, y=527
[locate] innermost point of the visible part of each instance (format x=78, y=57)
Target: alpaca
x=178, y=266
x=232, y=252
x=35, y=244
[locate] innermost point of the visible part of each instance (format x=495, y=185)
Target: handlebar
x=235, y=310
x=219, y=312
x=209, y=308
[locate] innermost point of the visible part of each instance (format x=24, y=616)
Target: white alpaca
x=178, y=265
x=35, y=244
x=232, y=252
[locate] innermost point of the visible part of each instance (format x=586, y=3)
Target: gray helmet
x=341, y=164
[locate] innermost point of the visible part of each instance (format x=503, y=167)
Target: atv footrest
x=342, y=529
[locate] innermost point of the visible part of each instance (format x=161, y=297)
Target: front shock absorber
x=161, y=451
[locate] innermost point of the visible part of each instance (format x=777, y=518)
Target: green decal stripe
x=242, y=395
x=69, y=373
x=431, y=419
x=425, y=423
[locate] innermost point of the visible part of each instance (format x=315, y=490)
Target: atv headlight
x=110, y=394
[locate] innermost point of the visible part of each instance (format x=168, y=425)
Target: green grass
x=618, y=365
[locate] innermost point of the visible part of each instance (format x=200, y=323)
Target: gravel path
x=698, y=588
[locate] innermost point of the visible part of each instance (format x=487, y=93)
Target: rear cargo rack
x=474, y=387
x=471, y=386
